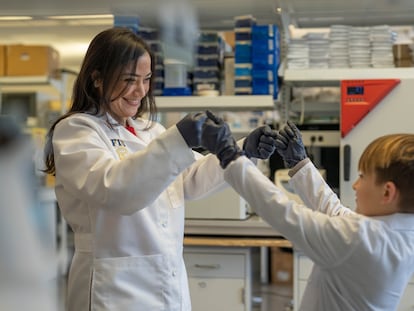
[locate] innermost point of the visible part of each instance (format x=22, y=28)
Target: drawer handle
x=210, y=267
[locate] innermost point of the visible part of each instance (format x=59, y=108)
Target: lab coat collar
x=111, y=120
x=138, y=124
x=112, y=123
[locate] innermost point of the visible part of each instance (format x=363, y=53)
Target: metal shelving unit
x=46, y=84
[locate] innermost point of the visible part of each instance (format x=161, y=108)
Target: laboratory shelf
x=227, y=102
x=333, y=76
x=24, y=80
x=21, y=84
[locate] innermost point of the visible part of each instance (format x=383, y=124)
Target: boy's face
x=369, y=196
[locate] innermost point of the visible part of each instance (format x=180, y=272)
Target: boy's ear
x=390, y=192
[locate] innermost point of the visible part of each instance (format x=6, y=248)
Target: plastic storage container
x=175, y=74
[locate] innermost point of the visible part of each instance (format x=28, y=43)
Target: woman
x=121, y=181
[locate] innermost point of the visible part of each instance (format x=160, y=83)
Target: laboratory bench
x=228, y=265
x=190, y=240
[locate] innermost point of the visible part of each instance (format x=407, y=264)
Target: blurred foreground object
x=24, y=280
x=179, y=29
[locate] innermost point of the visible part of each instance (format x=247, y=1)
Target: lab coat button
x=164, y=224
x=174, y=273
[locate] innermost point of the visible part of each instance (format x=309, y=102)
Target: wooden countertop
x=235, y=241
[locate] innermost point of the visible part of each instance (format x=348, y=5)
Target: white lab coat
x=361, y=263
x=127, y=215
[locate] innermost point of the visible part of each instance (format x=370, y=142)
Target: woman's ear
x=96, y=79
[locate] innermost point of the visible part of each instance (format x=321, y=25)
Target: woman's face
x=136, y=83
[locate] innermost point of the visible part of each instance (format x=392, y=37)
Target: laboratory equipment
x=371, y=107
x=227, y=204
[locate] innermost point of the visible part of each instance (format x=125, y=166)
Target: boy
x=363, y=259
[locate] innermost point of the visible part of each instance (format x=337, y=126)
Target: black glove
x=190, y=128
x=289, y=145
x=217, y=138
x=260, y=143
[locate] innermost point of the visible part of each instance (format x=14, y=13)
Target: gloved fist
x=190, y=128
x=260, y=143
x=289, y=145
x=217, y=138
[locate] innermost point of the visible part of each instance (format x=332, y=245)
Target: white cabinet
x=302, y=268
x=220, y=278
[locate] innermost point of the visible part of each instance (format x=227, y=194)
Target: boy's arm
x=326, y=240
x=305, y=178
x=314, y=191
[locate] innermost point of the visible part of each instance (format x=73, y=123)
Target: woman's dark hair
x=109, y=54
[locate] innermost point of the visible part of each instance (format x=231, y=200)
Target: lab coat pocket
x=128, y=283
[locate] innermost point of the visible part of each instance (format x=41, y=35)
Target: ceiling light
x=95, y=16
x=15, y=18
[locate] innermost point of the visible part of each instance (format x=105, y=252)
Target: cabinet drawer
x=206, y=291
x=215, y=265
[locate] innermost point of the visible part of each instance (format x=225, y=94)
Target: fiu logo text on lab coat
x=120, y=147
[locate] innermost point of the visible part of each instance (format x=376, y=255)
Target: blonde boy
x=363, y=260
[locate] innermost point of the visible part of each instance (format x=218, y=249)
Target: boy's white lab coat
x=128, y=215
x=361, y=263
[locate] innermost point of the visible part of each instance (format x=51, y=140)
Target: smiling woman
x=122, y=180
x=130, y=90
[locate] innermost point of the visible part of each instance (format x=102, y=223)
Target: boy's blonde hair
x=391, y=158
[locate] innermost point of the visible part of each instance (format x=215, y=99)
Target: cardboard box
x=228, y=88
x=31, y=60
x=2, y=60
x=230, y=38
x=404, y=62
x=401, y=51
x=281, y=268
